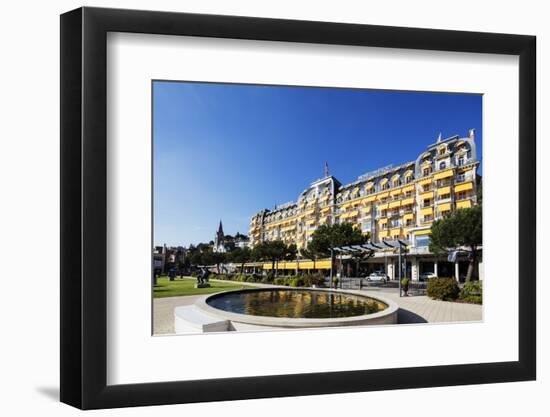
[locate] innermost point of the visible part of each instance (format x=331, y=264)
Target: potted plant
x=405, y=286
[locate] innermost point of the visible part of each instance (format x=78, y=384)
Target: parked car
x=379, y=276
x=425, y=276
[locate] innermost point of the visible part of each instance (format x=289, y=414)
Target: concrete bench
x=189, y=319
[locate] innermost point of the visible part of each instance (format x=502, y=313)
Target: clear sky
x=226, y=151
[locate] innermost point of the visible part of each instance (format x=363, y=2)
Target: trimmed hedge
x=472, y=292
x=445, y=289
x=307, y=280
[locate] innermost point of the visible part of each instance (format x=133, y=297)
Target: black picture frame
x=84, y=207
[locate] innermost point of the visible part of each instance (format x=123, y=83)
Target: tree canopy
x=461, y=228
x=330, y=236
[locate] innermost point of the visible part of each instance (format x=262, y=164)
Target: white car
x=379, y=276
x=425, y=276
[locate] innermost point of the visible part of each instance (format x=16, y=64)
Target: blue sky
x=225, y=151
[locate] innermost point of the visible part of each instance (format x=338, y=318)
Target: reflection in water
x=296, y=304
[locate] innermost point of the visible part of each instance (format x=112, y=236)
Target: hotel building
x=389, y=203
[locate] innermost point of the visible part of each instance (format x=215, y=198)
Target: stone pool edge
x=387, y=316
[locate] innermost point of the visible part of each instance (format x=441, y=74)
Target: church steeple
x=219, y=241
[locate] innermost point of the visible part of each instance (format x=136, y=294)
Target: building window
x=422, y=241
x=427, y=202
x=427, y=171
x=442, y=165
x=460, y=161
x=396, y=183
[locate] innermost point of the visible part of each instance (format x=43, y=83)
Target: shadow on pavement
x=406, y=316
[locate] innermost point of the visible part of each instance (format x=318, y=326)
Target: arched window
x=442, y=165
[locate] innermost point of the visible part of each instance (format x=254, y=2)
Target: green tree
x=240, y=256
x=326, y=237
x=273, y=251
x=461, y=228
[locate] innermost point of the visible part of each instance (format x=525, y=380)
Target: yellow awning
x=368, y=199
x=396, y=192
x=310, y=221
x=288, y=228
x=321, y=264
x=425, y=182
x=408, y=216
x=444, y=207
x=395, y=232
x=422, y=232
x=429, y=194
x=383, y=206
x=464, y=204
x=444, y=174
x=382, y=221
x=383, y=233
x=464, y=187
x=407, y=201
x=346, y=205
x=426, y=211
x=323, y=220
x=325, y=209
x=366, y=209
x=444, y=190
x=349, y=214
x=408, y=188
x=383, y=195
x=309, y=212
x=394, y=204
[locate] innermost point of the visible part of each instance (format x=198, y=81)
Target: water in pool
x=296, y=303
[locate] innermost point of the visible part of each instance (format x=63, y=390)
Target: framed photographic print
x=258, y=207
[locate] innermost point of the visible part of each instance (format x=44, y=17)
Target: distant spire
x=220, y=228
x=439, y=138
x=326, y=168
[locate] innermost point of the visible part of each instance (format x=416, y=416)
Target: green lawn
x=186, y=286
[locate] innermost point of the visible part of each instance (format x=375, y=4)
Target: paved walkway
x=414, y=309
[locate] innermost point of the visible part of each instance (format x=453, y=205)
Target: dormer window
x=442, y=165
x=426, y=171
x=460, y=161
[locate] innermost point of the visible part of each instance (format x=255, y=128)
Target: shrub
x=309, y=280
x=295, y=282
x=472, y=292
x=280, y=281
x=445, y=289
x=268, y=279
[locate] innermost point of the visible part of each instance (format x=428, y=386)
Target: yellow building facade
x=389, y=203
